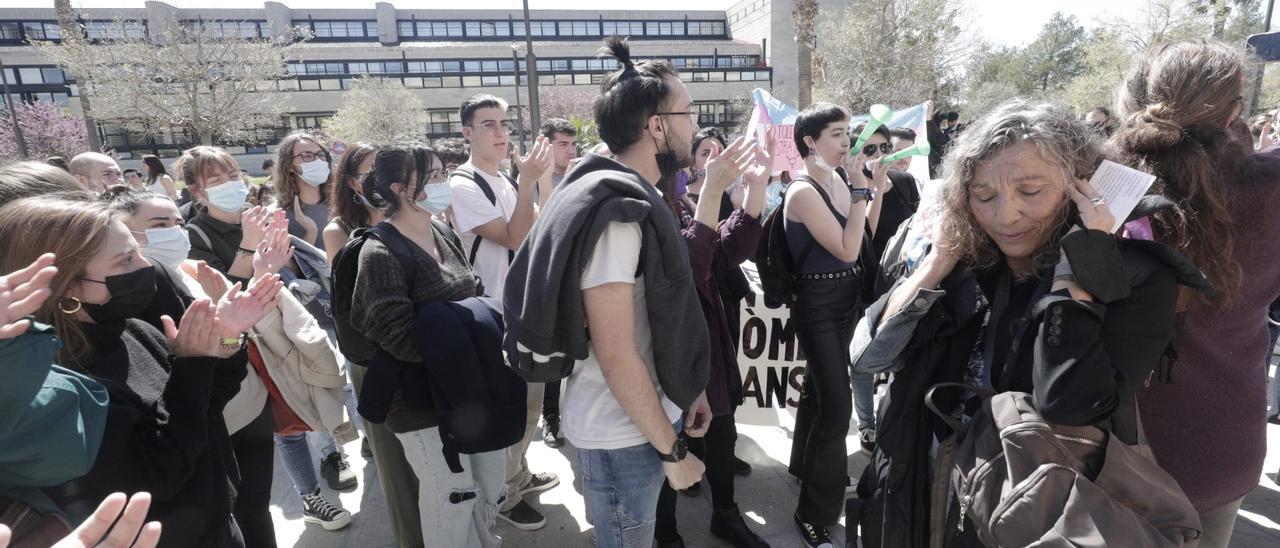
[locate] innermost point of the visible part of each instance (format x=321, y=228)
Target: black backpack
x=481, y=182
x=351, y=341
x=774, y=263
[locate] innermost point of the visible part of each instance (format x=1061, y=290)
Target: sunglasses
x=870, y=150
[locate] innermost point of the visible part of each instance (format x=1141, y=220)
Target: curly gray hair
x=1056, y=133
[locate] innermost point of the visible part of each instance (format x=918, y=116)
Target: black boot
x=728, y=525
x=551, y=430
x=677, y=543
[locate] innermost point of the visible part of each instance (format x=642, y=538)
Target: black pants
x=551, y=399
x=254, y=448
x=824, y=316
x=719, y=441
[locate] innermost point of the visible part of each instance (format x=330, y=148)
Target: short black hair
x=812, y=121
x=130, y=170
x=903, y=133
x=557, y=125
x=708, y=133
x=267, y=164
x=856, y=129
x=629, y=96
x=953, y=116
x=453, y=150
x=467, y=112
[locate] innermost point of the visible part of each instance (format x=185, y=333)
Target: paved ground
x=767, y=498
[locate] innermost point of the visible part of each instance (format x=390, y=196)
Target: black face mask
x=130, y=294
x=668, y=162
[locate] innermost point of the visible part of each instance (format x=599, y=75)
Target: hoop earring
x=63, y=308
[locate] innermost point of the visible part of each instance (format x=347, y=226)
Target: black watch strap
x=678, y=451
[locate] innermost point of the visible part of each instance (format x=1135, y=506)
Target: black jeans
x=254, y=447
x=551, y=399
x=824, y=316
x=721, y=436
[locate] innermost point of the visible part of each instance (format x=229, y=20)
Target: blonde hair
x=196, y=163
x=74, y=231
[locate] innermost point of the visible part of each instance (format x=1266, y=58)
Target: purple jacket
x=1207, y=422
x=735, y=241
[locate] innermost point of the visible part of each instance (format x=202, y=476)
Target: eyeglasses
x=870, y=150
x=493, y=126
x=310, y=156
x=436, y=174
x=693, y=114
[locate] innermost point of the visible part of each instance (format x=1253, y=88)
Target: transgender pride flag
x=773, y=120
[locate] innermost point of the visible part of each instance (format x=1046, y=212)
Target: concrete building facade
x=444, y=55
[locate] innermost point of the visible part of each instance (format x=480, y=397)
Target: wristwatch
x=866, y=194
x=231, y=343
x=678, y=451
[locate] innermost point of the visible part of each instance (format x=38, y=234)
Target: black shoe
x=728, y=525
x=540, y=482
x=337, y=472
x=522, y=516
x=551, y=431
x=365, y=450
x=317, y=509
x=815, y=536
x=677, y=543
x=868, y=439
x=1273, y=419
x=741, y=467
x=693, y=490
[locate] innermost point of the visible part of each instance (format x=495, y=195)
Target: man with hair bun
x=607, y=258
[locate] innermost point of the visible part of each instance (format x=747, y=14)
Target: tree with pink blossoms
x=47, y=130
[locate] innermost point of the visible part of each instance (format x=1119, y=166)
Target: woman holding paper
x=1019, y=293
x=1206, y=421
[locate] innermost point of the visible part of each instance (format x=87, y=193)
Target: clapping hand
x=237, y=311
x=535, y=163
x=275, y=250
x=253, y=226
x=22, y=292
x=198, y=337
x=725, y=168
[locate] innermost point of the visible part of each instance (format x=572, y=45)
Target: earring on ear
x=62, y=307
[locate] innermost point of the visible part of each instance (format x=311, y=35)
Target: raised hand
x=253, y=225
x=1094, y=213
x=724, y=168
x=22, y=293
x=275, y=250
x=210, y=280
x=198, y=337
x=757, y=175
x=130, y=531
x=309, y=228
x=879, y=176
x=854, y=168
x=238, y=311
x=535, y=163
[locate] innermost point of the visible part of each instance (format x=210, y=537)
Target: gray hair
x=1056, y=133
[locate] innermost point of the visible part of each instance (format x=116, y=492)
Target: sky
x=1006, y=22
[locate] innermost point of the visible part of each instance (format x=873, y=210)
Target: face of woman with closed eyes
x=1016, y=196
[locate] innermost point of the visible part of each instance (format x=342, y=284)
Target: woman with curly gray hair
x=1018, y=293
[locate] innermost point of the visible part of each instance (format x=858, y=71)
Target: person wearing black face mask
x=164, y=432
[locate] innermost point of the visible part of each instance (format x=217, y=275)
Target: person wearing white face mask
x=302, y=179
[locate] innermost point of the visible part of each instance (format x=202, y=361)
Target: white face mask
x=438, y=197
x=228, y=196
x=168, y=246
x=315, y=172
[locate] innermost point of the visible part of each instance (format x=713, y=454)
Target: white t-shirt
x=471, y=208
x=591, y=416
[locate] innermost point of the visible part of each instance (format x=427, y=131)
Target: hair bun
x=617, y=47
x=1151, y=130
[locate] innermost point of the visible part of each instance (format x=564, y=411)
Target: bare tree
x=71, y=32
x=192, y=77
x=378, y=111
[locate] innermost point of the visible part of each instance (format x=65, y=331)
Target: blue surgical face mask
x=439, y=196
x=228, y=196
x=168, y=246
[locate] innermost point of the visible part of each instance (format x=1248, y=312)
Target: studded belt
x=827, y=275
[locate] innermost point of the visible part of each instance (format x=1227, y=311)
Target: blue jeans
x=864, y=399
x=621, y=488
x=296, y=454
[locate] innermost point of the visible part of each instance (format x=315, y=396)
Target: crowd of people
x=169, y=332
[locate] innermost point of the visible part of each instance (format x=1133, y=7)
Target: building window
x=115, y=30
x=230, y=29
x=10, y=31
x=664, y=28
x=343, y=29
x=537, y=28
x=579, y=28
x=42, y=31
x=310, y=122
x=488, y=28
x=443, y=122
x=623, y=28
x=706, y=28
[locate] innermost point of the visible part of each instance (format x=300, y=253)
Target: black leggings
x=551, y=399
x=824, y=316
x=721, y=436
x=254, y=448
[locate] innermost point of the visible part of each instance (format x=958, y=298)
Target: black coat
x=1082, y=362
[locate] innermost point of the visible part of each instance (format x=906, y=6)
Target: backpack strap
x=396, y=243
x=200, y=232
x=481, y=182
x=808, y=247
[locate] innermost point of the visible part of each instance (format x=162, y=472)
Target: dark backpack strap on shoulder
x=808, y=247
x=395, y=241
x=481, y=182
